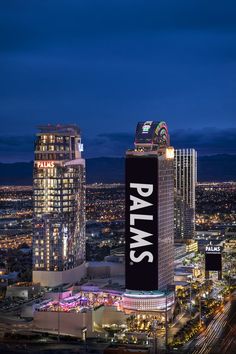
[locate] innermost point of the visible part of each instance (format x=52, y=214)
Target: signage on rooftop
x=213, y=261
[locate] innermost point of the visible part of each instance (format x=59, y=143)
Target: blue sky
x=105, y=65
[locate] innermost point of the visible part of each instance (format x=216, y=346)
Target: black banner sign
x=213, y=261
x=141, y=253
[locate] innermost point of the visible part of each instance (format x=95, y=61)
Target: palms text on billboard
x=213, y=261
x=141, y=252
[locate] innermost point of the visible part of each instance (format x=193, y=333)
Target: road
x=10, y=321
x=226, y=344
x=219, y=331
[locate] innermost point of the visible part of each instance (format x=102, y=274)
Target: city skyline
x=134, y=275
x=118, y=176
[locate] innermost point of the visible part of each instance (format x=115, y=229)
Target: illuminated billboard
x=213, y=261
x=150, y=132
x=45, y=164
x=141, y=252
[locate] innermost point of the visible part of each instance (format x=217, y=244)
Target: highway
x=226, y=344
x=218, y=331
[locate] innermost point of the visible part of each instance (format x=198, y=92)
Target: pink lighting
x=81, y=301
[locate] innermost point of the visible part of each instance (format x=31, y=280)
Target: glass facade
x=147, y=302
x=59, y=199
x=185, y=184
x=165, y=222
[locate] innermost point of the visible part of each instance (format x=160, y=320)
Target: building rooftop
x=80, y=302
x=59, y=129
x=145, y=293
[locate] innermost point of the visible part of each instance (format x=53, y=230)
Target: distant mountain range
x=111, y=169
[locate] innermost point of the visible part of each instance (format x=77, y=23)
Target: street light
x=200, y=310
x=154, y=330
x=166, y=323
x=200, y=306
x=190, y=295
x=58, y=313
x=229, y=278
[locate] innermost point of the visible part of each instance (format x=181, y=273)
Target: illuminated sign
x=139, y=237
x=213, y=261
x=170, y=153
x=150, y=132
x=65, y=241
x=45, y=164
x=146, y=127
x=213, y=249
x=141, y=223
x=81, y=147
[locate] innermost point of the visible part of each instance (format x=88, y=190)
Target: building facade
x=150, y=210
x=185, y=163
x=58, y=199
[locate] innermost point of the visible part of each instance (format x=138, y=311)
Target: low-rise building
x=191, y=246
x=23, y=290
x=230, y=246
x=180, y=250
x=90, y=312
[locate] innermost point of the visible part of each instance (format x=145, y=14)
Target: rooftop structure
x=70, y=129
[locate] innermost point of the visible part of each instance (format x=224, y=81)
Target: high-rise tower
x=59, y=200
x=185, y=183
x=149, y=218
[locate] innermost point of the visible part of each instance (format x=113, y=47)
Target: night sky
x=105, y=65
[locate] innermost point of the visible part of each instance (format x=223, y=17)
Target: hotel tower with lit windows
x=185, y=164
x=59, y=204
x=149, y=220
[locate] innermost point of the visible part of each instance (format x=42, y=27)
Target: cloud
x=110, y=144
x=16, y=148
x=13, y=143
x=207, y=141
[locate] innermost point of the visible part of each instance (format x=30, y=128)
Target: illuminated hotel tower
x=150, y=209
x=185, y=184
x=59, y=200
